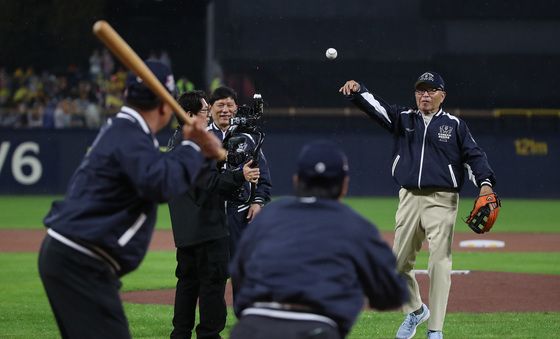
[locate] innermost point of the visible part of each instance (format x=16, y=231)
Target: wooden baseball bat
x=132, y=61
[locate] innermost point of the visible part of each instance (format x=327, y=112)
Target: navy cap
x=138, y=91
x=431, y=79
x=322, y=159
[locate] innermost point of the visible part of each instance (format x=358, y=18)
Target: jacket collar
x=438, y=113
x=132, y=115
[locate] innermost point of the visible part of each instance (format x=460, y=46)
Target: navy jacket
x=199, y=215
x=435, y=156
x=319, y=253
x=264, y=185
x=112, y=198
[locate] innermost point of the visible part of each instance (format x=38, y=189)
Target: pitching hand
x=350, y=87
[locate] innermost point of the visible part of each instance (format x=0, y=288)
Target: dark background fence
x=491, y=53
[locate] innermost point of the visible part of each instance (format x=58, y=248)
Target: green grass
x=153, y=321
x=25, y=313
x=516, y=215
x=465, y=325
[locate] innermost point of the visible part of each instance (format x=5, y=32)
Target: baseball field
x=498, y=292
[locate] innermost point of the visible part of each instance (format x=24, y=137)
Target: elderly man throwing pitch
x=432, y=150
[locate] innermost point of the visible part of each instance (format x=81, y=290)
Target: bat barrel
x=132, y=61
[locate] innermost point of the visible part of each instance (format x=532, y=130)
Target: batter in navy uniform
x=432, y=150
x=303, y=267
x=102, y=228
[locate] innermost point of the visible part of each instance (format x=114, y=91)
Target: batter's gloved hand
x=484, y=213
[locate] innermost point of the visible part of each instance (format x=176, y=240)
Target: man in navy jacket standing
x=201, y=235
x=432, y=150
x=303, y=267
x=102, y=228
x=223, y=107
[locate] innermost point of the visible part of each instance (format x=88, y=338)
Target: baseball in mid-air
x=331, y=53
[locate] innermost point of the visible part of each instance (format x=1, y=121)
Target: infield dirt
x=474, y=292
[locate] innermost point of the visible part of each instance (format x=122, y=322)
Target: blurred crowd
x=75, y=98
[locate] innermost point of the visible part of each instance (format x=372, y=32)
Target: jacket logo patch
x=445, y=133
x=241, y=148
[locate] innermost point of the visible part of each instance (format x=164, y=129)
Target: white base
x=452, y=271
x=482, y=243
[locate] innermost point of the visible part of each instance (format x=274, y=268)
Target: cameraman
x=223, y=106
x=200, y=233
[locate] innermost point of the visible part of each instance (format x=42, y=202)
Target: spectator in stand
x=4, y=87
x=63, y=114
x=20, y=115
x=164, y=58
x=48, y=114
x=184, y=85
x=61, y=89
x=86, y=105
x=94, y=65
x=35, y=114
x=107, y=63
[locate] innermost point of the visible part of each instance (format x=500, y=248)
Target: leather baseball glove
x=484, y=213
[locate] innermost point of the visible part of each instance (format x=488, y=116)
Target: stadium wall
x=525, y=160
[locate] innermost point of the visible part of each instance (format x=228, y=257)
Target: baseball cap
x=431, y=79
x=138, y=91
x=322, y=159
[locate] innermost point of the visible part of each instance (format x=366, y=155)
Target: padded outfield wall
x=526, y=159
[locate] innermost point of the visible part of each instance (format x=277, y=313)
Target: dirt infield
x=476, y=292
x=30, y=241
x=473, y=292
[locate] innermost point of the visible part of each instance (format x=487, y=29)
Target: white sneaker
x=411, y=321
x=435, y=335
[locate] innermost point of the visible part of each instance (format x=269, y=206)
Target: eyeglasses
x=430, y=91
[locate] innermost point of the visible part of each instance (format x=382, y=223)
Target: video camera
x=247, y=117
x=244, y=138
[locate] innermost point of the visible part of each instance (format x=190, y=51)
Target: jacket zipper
x=422, y=154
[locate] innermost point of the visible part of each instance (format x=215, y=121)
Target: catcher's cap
x=322, y=159
x=136, y=89
x=431, y=79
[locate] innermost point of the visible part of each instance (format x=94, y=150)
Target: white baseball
x=331, y=53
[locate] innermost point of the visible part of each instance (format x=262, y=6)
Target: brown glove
x=484, y=213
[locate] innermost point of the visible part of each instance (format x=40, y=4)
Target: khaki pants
x=426, y=214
